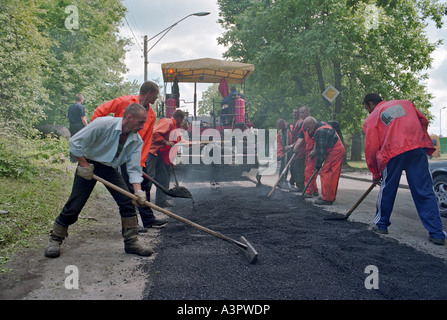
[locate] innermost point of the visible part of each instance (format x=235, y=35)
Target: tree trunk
x=321, y=80
x=356, y=148
x=337, y=85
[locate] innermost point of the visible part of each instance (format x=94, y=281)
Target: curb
x=369, y=180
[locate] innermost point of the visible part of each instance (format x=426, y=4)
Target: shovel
x=175, y=175
x=244, y=244
x=280, y=176
x=177, y=192
x=346, y=216
x=302, y=196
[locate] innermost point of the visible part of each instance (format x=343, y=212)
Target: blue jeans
x=419, y=179
x=82, y=189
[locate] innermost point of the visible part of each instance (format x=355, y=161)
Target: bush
x=21, y=157
x=33, y=187
x=29, y=209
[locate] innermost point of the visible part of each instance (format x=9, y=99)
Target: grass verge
x=29, y=208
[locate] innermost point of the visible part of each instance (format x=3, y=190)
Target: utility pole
x=440, y=122
x=146, y=62
x=165, y=31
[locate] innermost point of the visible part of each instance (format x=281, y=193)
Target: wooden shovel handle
x=170, y=214
x=361, y=199
x=280, y=176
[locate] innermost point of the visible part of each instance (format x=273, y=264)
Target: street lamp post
x=440, y=122
x=165, y=31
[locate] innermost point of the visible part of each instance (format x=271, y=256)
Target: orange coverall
x=330, y=172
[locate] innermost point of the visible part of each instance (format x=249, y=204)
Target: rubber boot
x=130, y=235
x=57, y=235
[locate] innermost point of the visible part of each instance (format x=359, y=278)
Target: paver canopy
x=206, y=70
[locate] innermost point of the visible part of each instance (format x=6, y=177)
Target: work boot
x=323, y=202
x=57, y=235
x=165, y=203
x=156, y=222
x=439, y=242
x=130, y=235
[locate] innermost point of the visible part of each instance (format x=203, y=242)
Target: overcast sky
x=193, y=38
x=196, y=37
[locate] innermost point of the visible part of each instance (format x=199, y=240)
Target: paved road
x=301, y=256
x=405, y=224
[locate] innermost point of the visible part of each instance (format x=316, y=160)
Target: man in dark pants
x=76, y=118
x=158, y=168
x=148, y=94
x=101, y=148
x=298, y=164
x=396, y=139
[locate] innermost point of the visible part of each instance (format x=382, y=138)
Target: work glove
x=141, y=198
x=377, y=181
x=86, y=172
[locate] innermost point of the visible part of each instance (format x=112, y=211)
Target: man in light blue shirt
x=101, y=148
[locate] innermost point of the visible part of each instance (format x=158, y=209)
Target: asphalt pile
x=301, y=255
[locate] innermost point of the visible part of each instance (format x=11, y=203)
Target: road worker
x=396, y=139
x=298, y=165
x=101, y=148
x=147, y=96
x=158, y=161
x=283, y=139
x=309, y=165
x=328, y=154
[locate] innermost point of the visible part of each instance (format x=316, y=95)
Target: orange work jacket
x=117, y=106
x=162, y=131
x=394, y=127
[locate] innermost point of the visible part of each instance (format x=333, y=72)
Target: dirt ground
x=95, y=246
x=301, y=256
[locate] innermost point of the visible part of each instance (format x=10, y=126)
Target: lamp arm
x=167, y=30
x=170, y=27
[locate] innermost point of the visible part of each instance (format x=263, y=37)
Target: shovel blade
x=180, y=192
x=251, y=252
x=337, y=218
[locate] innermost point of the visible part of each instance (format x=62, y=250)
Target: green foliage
x=44, y=63
x=300, y=47
x=87, y=60
x=33, y=187
x=206, y=103
x=23, y=158
x=22, y=63
x=32, y=207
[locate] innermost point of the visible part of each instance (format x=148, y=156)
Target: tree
x=87, y=57
x=300, y=47
x=208, y=96
x=22, y=64
x=53, y=49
